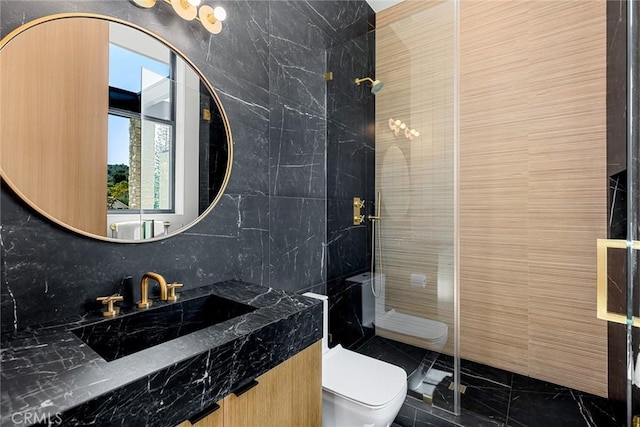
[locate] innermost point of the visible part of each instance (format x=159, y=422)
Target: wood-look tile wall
x=532, y=184
x=567, y=191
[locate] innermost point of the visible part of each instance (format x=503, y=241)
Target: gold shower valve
x=358, y=204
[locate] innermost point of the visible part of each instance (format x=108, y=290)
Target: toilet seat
x=361, y=379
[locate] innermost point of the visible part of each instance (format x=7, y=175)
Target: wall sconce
x=398, y=125
x=411, y=133
x=210, y=17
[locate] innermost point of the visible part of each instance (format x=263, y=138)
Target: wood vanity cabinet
x=288, y=395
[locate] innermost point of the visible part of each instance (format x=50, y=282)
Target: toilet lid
x=360, y=378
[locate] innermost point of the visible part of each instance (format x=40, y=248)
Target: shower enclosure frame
x=633, y=175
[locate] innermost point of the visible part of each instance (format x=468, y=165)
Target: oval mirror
x=108, y=130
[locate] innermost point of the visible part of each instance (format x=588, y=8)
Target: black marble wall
x=293, y=133
x=350, y=173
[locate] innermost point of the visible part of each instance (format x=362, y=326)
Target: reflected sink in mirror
x=128, y=334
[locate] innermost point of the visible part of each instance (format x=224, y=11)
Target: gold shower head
x=376, y=85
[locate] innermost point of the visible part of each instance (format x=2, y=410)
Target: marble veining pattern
x=347, y=103
x=347, y=162
x=349, y=248
x=297, y=242
x=345, y=313
x=350, y=173
x=49, y=370
x=293, y=67
x=297, y=150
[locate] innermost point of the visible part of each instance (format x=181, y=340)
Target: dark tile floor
x=493, y=397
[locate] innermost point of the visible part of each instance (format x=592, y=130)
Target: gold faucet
x=144, y=288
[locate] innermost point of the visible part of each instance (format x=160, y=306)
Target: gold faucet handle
x=110, y=311
x=171, y=287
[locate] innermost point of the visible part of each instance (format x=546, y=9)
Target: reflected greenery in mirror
x=132, y=142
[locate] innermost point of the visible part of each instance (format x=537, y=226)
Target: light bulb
x=194, y=3
x=219, y=13
x=417, y=134
x=413, y=132
x=398, y=122
x=213, y=25
x=403, y=125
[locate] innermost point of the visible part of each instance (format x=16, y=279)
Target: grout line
x=506, y=421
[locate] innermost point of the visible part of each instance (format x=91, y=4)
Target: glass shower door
x=415, y=151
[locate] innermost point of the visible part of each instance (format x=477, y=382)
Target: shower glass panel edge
x=633, y=199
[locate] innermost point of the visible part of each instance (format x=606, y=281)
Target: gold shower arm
x=364, y=79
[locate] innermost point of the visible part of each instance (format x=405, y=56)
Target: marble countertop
x=50, y=374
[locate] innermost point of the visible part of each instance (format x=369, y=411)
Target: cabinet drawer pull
x=245, y=388
x=204, y=413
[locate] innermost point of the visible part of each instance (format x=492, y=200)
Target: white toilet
x=357, y=390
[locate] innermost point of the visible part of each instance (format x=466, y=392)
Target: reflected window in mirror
x=155, y=97
x=141, y=127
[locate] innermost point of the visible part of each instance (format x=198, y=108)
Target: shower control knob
x=358, y=203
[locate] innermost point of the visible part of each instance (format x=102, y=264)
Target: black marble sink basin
x=128, y=334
